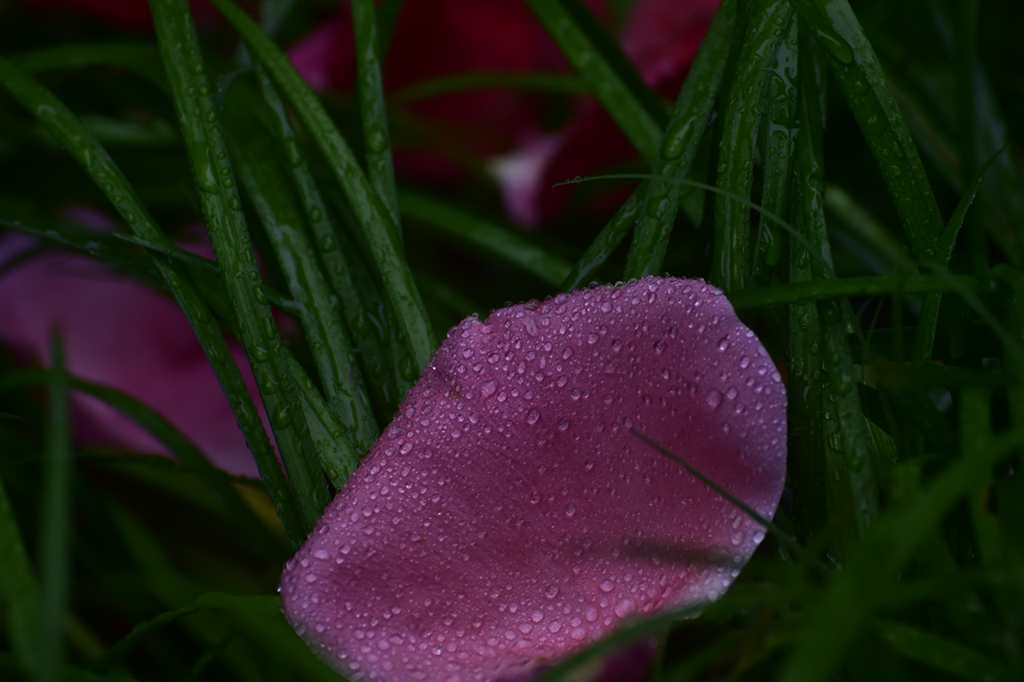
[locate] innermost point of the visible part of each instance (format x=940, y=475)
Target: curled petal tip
x=508, y=516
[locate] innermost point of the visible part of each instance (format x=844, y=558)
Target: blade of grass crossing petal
x=372, y=110
x=55, y=524
x=267, y=183
x=782, y=101
x=63, y=125
x=223, y=213
x=841, y=612
x=19, y=591
x=605, y=243
x=851, y=484
x=678, y=149
x=731, y=254
x=609, y=86
x=455, y=223
x=371, y=216
x=864, y=85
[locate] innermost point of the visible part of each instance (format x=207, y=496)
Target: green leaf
x=371, y=215
x=55, y=524
x=598, y=61
x=678, y=149
x=466, y=229
x=63, y=125
x=731, y=259
x=230, y=236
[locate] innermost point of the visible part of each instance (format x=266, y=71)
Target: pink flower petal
x=118, y=332
x=508, y=516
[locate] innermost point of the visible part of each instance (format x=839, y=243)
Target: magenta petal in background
x=508, y=516
x=119, y=333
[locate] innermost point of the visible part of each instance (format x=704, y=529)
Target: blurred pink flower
x=508, y=516
x=661, y=38
x=119, y=333
x=504, y=128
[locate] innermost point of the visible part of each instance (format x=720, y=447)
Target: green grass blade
x=604, y=244
x=188, y=455
x=848, y=448
x=230, y=236
x=140, y=58
x=731, y=257
x=924, y=337
x=863, y=226
x=678, y=149
x=464, y=228
x=781, y=129
x=860, y=75
x=19, y=591
x=844, y=608
x=371, y=216
x=373, y=355
x=799, y=292
x=63, y=125
x=267, y=184
x=55, y=524
x=617, y=94
x=388, y=19
x=372, y=109
x=339, y=456
x=939, y=653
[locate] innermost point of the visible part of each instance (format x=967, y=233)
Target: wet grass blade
x=456, y=224
x=372, y=110
x=55, y=524
x=617, y=91
x=371, y=215
x=731, y=258
x=852, y=486
x=230, y=236
x=782, y=102
x=267, y=184
x=678, y=149
x=63, y=125
x=859, y=73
